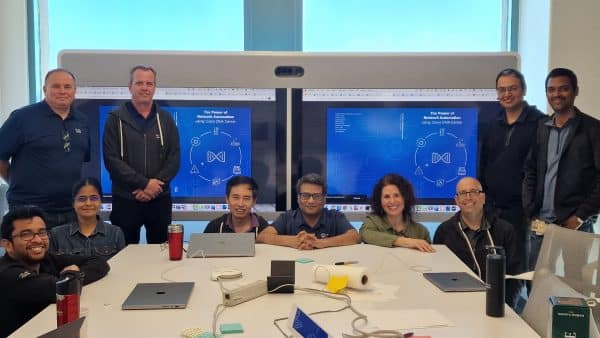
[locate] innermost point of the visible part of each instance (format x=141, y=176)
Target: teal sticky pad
x=206, y=335
x=304, y=260
x=231, y=328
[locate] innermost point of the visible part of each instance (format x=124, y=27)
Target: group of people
x=53, y=225
x=534, y=170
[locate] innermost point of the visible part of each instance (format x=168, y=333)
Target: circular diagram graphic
x=215, y=156
x=440, y=158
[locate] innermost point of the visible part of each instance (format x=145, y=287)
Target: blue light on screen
x=215, y=146
x=431, y=147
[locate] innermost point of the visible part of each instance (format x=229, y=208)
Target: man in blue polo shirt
x=42, y=149
x=311, y=226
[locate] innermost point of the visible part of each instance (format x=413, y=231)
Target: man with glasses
x=142, y=155
x=562, y=172
x=471, y=230
x=42, y=150
x=28, y=272
x=504, y=148
x=311, y=226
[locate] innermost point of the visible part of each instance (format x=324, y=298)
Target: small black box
x=282, y=272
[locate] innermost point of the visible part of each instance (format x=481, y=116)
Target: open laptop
x=455, y=281
x=150, y=296
x=221, y=245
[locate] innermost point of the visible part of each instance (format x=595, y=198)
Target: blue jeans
x=536, y=241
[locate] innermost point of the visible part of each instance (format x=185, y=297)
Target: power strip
x=245, y=293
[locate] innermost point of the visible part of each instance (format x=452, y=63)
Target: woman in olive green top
x=390, y=223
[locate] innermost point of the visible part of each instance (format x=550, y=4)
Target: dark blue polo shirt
x=332, y=223
x=46, y=155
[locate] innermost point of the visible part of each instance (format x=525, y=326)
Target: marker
x=346, y=262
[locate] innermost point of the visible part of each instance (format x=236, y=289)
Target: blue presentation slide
x=215, y=146
x=431, y=147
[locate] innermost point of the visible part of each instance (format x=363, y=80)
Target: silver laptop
x=149, y=296
x=455, y=281
x=221, y=245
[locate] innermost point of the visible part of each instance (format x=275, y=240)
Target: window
x=404, y=26
x=216, y=25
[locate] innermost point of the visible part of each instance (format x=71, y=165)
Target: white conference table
x=398, y=285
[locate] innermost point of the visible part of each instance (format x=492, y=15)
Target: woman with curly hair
x=391, y=224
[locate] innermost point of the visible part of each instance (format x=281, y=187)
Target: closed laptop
x=455, y=281
x=149, y=296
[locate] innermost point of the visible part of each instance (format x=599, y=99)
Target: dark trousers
x=130, y=215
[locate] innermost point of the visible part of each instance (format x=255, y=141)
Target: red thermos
x=175, y=241
x=68, y=292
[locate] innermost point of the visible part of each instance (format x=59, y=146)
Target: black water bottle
x=495, y=263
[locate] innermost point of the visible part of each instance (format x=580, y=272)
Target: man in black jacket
x=470, y=230
x=504, y=149
x=562, y=171
x=28, y=272
x=141, y=153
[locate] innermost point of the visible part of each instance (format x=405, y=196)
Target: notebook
x=69, y=330
x=455, y=281
x=221, y=245
x=149, y=296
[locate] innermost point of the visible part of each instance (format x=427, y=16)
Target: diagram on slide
x=215, y=156
x=432, y=147
x=441, y=158
x=215, y=146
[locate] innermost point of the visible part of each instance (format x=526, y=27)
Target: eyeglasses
x=28, y=235
x=511, y=89
x=474, y=193
x=66, y=137
x=91, y=198
x=304, y=196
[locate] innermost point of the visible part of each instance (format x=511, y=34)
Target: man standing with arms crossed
x=46, y=144
x=141, y=153
x=562, y=172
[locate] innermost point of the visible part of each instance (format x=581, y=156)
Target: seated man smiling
x=241, y=194
x=28, y=272
x=311, y=226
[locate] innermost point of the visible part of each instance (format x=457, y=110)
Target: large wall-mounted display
x=349, y=116
x=355, y=136
x=219, y=130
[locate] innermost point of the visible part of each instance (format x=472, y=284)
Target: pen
x=346, y=262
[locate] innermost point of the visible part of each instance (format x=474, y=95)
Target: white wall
x=13, y=56
x=575, y=43
x=561, y=33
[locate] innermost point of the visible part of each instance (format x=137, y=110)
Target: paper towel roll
x=358, y=276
